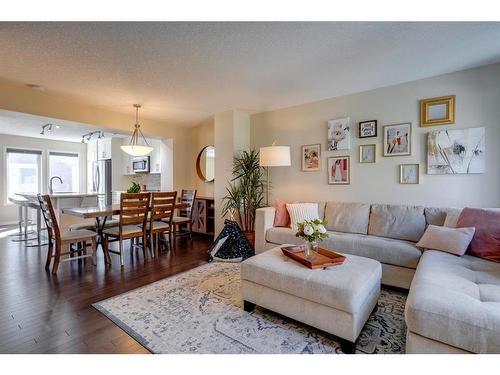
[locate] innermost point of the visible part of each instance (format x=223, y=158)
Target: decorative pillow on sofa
x=452, y=219
x=302, y=211
x=486, y=241
x=281, y=216
x=347, y=217
x=451, y=240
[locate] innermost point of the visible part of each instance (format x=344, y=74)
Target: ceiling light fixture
x=87, y=137
x=134, y=148
x=46, y=127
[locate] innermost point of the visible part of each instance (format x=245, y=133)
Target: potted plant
x=312, y=231
x=245, y=192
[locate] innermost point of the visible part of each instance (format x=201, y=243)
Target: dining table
x=101, y=213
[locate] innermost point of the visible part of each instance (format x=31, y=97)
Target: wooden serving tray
x=324, y=258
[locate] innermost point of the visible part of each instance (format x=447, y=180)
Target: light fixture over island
x=134, y=148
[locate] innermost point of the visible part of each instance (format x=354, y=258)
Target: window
x=66, y=166
x=23, y=171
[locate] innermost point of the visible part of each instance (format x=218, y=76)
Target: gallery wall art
x=367, y=153
x=311, y=158
x=339, y=170
x=397, y=139
x=409, y=174
x=339, y=137
x=457, y=151
x=368, y=129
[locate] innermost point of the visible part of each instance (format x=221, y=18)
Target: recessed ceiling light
x=36, y=87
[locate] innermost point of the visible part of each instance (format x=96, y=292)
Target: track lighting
x=46, y=127
x=87, y=137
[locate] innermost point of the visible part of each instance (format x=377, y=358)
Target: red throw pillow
x=281, y=216
x=486, y=241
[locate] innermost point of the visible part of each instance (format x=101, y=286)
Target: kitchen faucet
x=51, y=189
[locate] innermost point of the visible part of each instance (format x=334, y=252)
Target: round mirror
x=205, y=164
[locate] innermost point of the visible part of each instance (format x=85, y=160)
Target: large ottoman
x=338, y=299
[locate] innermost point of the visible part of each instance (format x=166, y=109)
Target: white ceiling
x=25, y=125
x=185, y=72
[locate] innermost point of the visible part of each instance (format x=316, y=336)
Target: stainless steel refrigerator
x=101, y=180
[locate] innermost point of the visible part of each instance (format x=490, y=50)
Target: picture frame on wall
x=339, y=136
x=368, y=129
x=397, y=139
x=409, y=173
x=311, y=158
x=339, y=170
x=367, y=153
x=437, y=111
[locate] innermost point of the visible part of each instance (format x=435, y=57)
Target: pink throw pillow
x=451, y=240
x=486, y=241
x=281, y=216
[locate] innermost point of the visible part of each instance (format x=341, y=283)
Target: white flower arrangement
x=312, y=230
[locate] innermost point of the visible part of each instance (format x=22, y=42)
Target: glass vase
x=311, y=250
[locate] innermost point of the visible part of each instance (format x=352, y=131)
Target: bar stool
x=23, y=220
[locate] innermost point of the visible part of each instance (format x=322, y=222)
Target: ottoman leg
x=347, y=347
x=248, y=306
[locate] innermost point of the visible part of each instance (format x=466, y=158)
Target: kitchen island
x=67, y=200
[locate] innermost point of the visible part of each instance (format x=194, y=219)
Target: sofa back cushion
x=347, y=217
x=437, y=215
x=397, y=221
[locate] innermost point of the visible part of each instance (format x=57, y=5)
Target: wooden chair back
x=49, y=216
x=188, y=196
x=163, y=206
x=134, y=209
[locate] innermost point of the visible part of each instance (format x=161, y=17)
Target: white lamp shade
x=274, y=156
x=137, y=150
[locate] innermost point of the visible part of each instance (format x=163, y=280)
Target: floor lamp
x=273, y=156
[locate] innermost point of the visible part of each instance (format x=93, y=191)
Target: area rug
x=200, y=311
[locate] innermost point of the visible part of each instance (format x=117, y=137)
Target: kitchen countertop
x=59, y=195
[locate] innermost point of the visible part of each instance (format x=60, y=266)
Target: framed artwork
x=397, y=139
x=339, y=137
x=409, y=173
x=339, y=170
x=311, y=158
x=368, y=129
x=456, y=151
x=367, y=153
x=437, y=111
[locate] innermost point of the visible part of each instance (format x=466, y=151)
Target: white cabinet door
x=155, y=156
x=126, y=164
x=104, y=148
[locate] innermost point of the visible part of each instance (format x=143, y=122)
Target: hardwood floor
x=44, y=313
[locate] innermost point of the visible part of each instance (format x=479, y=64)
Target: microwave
x=140, y=164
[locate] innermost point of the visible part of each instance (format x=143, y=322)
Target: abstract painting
x=311, y=158
x=339, y=134
x=409, y=173
x=397, y=139
x=456, y=151
x=367, y=153
x=339, y=170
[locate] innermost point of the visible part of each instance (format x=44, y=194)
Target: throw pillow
x=451, y=240
x=302, y=211
x=451, y=219
x=281, y=216
x=486, y=241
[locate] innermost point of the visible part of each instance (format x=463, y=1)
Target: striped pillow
x=302, y=211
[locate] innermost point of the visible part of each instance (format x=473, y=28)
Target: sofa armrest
x=264, y=219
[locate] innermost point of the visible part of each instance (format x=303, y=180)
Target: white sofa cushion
x=344, y=287
x=385, y=250
x=456, y=301
x=347, y=217
x=300, y=212
x=397, y=221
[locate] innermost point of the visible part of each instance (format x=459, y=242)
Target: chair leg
x=55, y=266
x=190, y=230
x=94, y=251
x=105, y=244
x=121, y=252
x=49, y=254
x=144, y=244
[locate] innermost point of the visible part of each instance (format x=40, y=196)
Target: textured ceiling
x=184, y=72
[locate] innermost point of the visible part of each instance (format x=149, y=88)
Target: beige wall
x=20, y=98
x=477, y=105
x=8, y=212
x=201, y=136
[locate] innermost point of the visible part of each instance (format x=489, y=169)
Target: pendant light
x=134, y=148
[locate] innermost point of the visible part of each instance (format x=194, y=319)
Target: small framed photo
x=437, y=111
x=311, y=158
x=339, y=136
x=397, y=139
x=339, y=170
x=409, y=173
x=367, y=153
x=368, y=129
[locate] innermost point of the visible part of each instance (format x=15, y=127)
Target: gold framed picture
x=437, y=111
x=311, y=158
x=367, y=153
x=409, y=173
x=339, y=170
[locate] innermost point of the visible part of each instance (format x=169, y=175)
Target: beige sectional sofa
x=453, y=304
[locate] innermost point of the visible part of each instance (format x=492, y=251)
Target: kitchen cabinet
x=126, y=164
x=155, y=156
x=104, y=148
x=204, y=215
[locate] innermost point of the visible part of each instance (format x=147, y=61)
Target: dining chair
x=160, y=220
x=134, y=209
x=58, y=240
x=185, y=217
